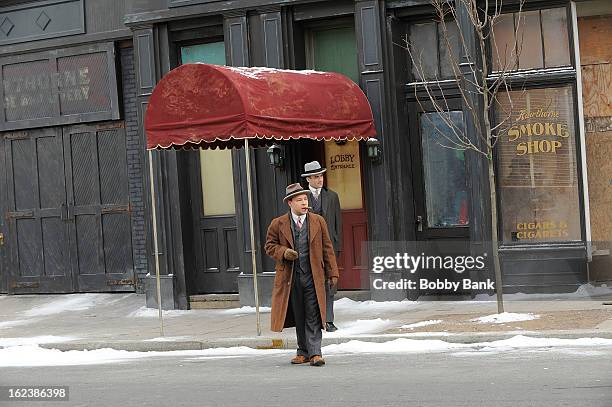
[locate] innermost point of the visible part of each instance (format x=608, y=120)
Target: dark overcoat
x=330, y=209
x=322, y=264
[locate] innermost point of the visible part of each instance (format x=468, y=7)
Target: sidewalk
x=120, y=321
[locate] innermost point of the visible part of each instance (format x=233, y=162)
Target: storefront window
x=425, y=37
x=537, y=166
x=446, y=194
x=539, y=37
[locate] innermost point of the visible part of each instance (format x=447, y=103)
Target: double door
x=66, y=210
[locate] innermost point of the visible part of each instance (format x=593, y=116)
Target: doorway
x=439, y=181
x=332, y=47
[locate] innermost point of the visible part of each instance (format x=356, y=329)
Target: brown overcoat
x=322, y=263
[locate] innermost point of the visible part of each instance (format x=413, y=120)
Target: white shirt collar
x=315, y=191
x=301, y=217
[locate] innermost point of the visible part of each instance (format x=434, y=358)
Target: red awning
x=210, y=106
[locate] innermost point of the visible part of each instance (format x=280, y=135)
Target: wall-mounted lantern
x=275, y=154
x=374, y=149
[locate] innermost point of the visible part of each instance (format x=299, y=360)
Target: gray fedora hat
x=313, y=168
x=293, y=190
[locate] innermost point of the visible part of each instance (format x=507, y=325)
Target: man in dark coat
x=299, y=242
x=326, y=203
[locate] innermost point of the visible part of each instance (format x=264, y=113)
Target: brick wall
x=135, y=156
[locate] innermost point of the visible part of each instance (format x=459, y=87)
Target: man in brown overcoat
x=299, y=242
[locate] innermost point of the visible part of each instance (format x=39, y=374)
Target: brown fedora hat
x=293, y=190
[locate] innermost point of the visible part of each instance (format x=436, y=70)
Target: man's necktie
x=299, y=223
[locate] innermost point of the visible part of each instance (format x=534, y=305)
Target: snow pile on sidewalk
x=346, y=305
x=505, y=317
x=72, y=302
x=144, y=312
x=34, y=355
x=244, y=310
x=18, y=322
x=34, y=340
x=584, y=292
x=422, y=324
x=403, y=345
x=361, y=326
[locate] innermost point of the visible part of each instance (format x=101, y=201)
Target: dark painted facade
x=204, y=250
x=72, y=155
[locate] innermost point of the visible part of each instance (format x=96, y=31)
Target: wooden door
x=37, y=213
x=98, y=208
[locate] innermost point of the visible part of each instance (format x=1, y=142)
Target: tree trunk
x=495, y=239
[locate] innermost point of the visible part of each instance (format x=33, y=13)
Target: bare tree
x=479, y=82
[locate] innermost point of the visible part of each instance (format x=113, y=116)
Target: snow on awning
x=210, y=106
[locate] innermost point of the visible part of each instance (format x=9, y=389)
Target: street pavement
x=550, y=377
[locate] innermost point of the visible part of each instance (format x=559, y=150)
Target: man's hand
x=333, y=281
x=290, y=254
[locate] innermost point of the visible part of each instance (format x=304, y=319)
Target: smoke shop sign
x=538, y=132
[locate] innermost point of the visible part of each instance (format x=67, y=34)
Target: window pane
x=537, y=170
x=450, y=49
x=529, y=39
x=556, y=40
x=444, y=169
x=217, y=182
x=211, y=53
x=503, y=44
x=423, y=44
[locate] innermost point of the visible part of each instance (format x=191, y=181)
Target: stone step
x=214, y=301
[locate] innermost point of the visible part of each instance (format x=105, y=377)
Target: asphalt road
x=538, y=378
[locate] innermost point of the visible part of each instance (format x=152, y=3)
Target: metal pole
x=247, y=154
x=155, y=244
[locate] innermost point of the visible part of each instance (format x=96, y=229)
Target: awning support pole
x=155, y=244
x=247, y=154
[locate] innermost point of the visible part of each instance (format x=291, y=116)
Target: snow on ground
x=505, y=317
x=70, y=302
x=584, y=292
x=34, y=340
x=169, y=339
x=33, y=355
x=361, y=326
x=144, y=312
x=346, y=306
x=244, y=310
x=403, y=345
x=19, y=322
x=422, y=324
x=443, y=333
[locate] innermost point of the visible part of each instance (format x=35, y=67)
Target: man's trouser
x=306, y=313
x=330, y=292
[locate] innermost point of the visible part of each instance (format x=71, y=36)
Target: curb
x=290, y=344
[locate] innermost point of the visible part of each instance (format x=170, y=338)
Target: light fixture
x=373, y=149
x=275, y=154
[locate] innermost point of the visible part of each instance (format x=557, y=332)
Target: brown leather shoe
x=317, y=360
x=299, y=359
